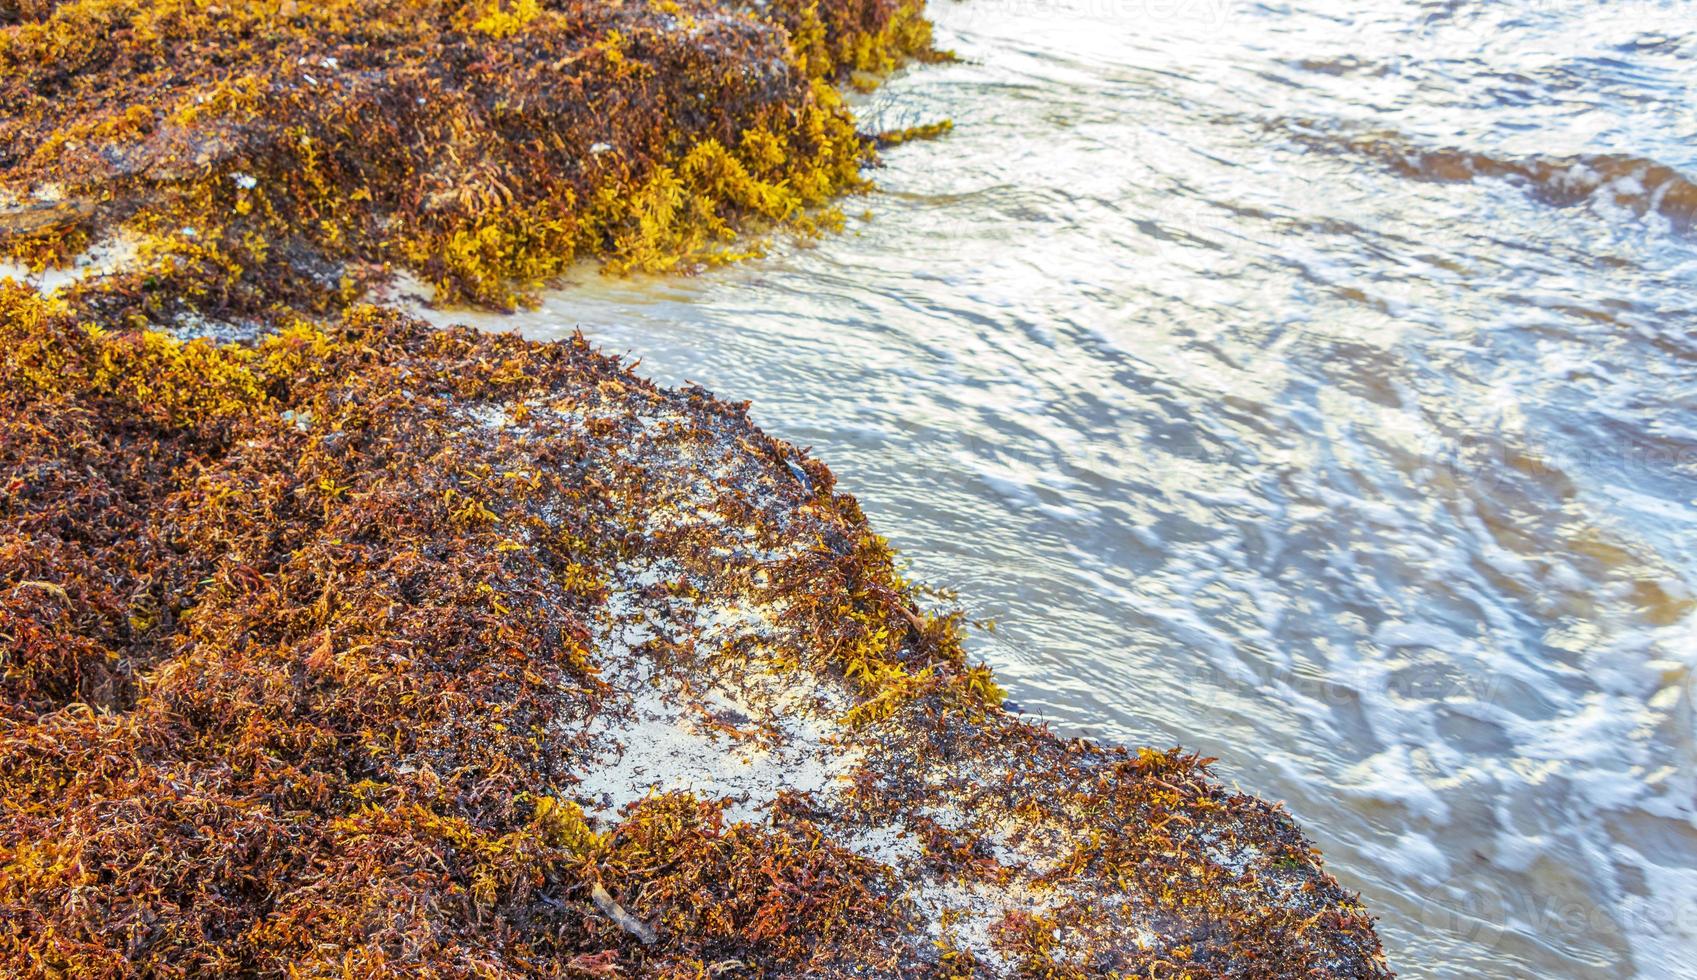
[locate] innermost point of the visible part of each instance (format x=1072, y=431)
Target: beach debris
x=629, y=923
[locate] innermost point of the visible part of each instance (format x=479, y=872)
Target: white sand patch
x=965, y=915
x=887, y=844
x=103, y=257
x=768, y=735
x=1235, y=860
x=1013, y=842
x=495, y=417
x=661, y=744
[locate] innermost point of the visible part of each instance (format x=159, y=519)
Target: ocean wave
x=1636, y=184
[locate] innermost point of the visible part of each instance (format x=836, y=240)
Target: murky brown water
x=1314, y=385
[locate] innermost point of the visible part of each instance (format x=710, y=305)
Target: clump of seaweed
x=284, y=155
x=312, y=648
x=923, y=131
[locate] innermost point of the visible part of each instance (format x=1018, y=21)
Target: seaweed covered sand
x=281, y=155
x=375, y=648
x=363, y=649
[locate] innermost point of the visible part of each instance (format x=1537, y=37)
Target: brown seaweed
x=306, y=644
x=280, y=154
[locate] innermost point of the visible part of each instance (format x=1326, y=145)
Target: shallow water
x=1314, y=386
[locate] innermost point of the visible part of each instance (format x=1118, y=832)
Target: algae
x=336, y=654
x=282, y=155
x=923, y=131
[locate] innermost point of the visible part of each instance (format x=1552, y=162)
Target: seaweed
x=278, y=155
x=312, y=647
x=923, y=131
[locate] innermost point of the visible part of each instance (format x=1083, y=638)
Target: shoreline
x=398, y=627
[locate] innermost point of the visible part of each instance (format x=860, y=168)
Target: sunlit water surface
x=1314, y=386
